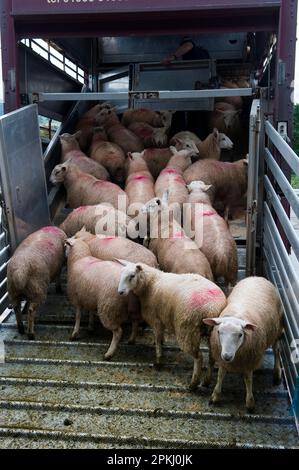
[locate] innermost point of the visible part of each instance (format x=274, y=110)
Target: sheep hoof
x=21, y=329
x=214, y=401
x=74, y=337
x=192, y=387
x=107, y=357
x=205, y=383
x=31, y=336
x=250, y=409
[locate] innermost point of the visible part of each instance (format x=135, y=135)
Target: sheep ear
x=138, y=268
x=211, y=321
x=188, y=186
x=173, y=150
x=77, y=134
x=129, y=155
x=207, y=187
x=215, y=133
x=249, y=326
x=69, y=242
x=123, y=262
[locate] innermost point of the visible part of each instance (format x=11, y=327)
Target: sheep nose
x=227, y=357
x=121, y=292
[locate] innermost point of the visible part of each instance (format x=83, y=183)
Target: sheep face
x=160, y=136
x=166, y=118
x=224, y=142
x=199, y=186
x=103, y=115
x=231, y=334
x=129, y=278
x=187, y=144
x=58, y=173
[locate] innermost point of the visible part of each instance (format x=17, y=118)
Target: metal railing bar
x=291, y=304
x=3, y=282
x=286, y=151
x=281, y=250
x=3, y=298
x=3, y=266
x=283, y=182
x=288, y=328
x=283, y=218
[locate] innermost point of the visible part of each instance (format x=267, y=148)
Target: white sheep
x=250, y=323
x=177, y=303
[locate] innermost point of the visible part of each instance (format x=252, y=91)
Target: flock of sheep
x=130, y=254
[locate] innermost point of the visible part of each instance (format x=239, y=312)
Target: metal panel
x=288, y=153
x=228, y=46
x=22, y=174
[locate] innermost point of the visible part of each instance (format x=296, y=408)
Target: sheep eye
x=240, y=335
x=131, y=277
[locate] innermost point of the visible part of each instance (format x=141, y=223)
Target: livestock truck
x=60, y=57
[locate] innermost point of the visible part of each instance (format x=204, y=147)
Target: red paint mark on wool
x=178, y=236
x=108, y=239
x=89, y=261
x=180, y=179
x=169, y=171
x=53, y=230
x=208, y=213
x=200, y=299
x=80, y=209
x=140, y=178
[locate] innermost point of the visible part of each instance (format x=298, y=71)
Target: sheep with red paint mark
x=171, y=178
x=92, y=285
x=108, y=154
x=177, y=303
x=70, y=150
x=36, y=262
x=175, y=251
x=153, y=118
x=212, y=235
x=97, y=219
x=84, y=189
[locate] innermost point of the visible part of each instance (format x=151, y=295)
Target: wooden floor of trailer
x=61, y=394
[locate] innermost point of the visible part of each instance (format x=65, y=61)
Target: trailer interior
x=61, y=60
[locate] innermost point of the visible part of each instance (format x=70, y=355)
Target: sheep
x=98, y=219
x=251, y=322
x=107, y=247
x=86, y=124
x=36, y=262
x=92, y=285
x=84, y=189
x=154, y=118
x=171, y=178
x=228, y=179
x=117, y=133
x=212, y=234
x=70, y=150
x=235, y=101
x=175, y=251
x=226, y=118
x=157, y=159
x=150, y=136
x=108, y=154
x=209, y=148
x=139, y=186
x=177, y=303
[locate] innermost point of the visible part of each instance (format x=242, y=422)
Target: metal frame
x=162, y=95
x=277, y=263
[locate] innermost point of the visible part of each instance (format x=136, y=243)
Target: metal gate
x=267, y=220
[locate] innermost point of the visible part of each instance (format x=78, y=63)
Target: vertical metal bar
x=252, y=192
x=9, y=58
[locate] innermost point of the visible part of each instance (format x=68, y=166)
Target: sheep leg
x=75, y=333
x=250, y=404
x=218, y=387
x=207, y=380
x=159, y=336
x=277, y=367
x=31, y=315
x=134, y=332
x=117, y=334
x=90, y=327
x=197, y=365
x=18, y=313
